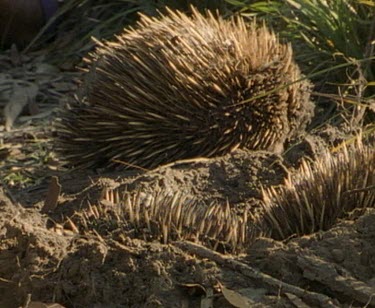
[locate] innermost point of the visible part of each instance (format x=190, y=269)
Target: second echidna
x=179, y=87
x=321, y=193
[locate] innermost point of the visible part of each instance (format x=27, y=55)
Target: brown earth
x=68, y=252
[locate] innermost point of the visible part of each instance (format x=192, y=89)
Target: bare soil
x=50, y=255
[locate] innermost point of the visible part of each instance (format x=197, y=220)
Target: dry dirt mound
x=59, y=257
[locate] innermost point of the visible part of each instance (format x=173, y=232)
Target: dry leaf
x=45, y=68
x=208, y=300
x=4, y=153
x=21, y=96
x=15, y=56
x=371, y=104
x=33, y=108
x=53, y=194
x=194, y=288
x=296, y=300
x=236, y=299
x=254, y=294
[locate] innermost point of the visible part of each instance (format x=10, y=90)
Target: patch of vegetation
x=334, y=42
x=78, y=21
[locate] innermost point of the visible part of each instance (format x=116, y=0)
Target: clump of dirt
x=29, y=254
x=235, y=178
x=55, y=266
x=336, y=262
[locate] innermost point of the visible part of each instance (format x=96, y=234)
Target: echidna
x=179, y=87
x=321, y=193
x=169, y=216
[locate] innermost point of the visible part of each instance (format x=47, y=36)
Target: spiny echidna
x=324, y=192
x=180, y=87
x=172, y=216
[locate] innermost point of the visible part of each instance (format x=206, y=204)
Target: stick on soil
x=274, y=284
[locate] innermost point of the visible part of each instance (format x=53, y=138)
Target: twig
x=336, y=279
x=278, y=286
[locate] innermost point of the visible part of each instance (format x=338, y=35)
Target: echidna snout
x=179, y=87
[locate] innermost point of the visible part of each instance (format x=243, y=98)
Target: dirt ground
x=64, y=243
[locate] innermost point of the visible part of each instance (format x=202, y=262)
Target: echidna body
x=321, y=193
x=175, y=216
x=180, y=87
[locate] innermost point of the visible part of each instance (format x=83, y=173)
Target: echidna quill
x=173, y=216
x=324, y=192
x=179, y=87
